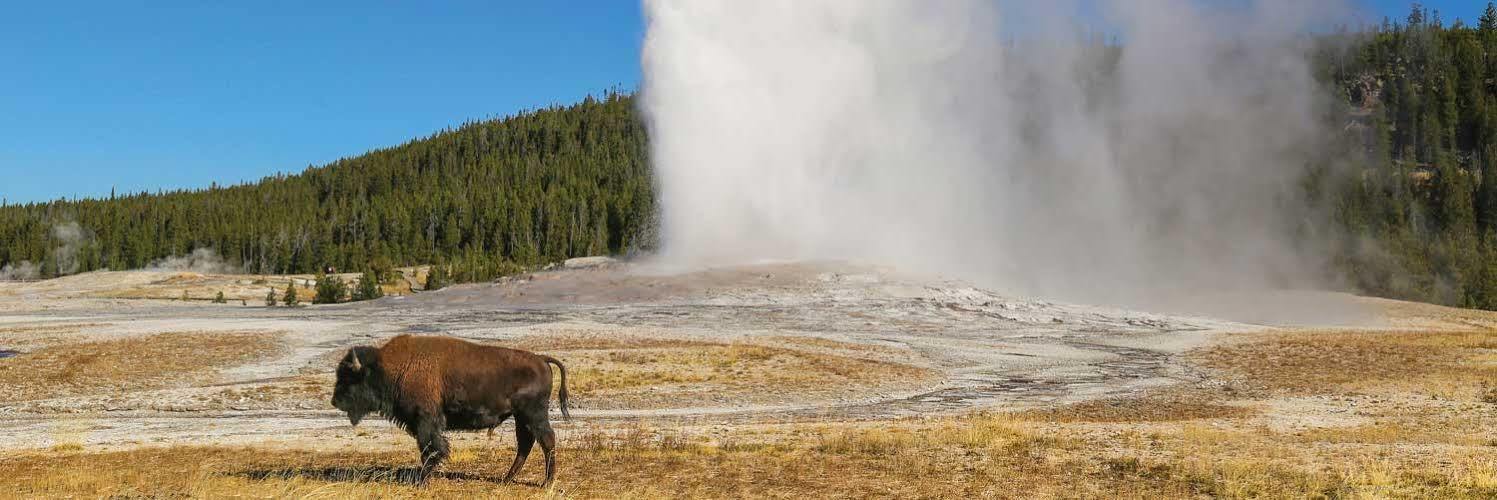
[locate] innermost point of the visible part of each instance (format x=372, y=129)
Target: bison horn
x=355, y=365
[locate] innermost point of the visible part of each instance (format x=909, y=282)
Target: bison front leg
x=433, y=446
x=524, y=440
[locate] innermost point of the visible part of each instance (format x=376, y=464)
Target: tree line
x=484, y=199
x=1410, y=186
x=1416, y=213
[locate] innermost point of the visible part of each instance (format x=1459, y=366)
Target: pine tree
x=289, y=298
x=219, y=299
x=270, y=298
x=436, y=277
x=330, y=290
x=369, y=288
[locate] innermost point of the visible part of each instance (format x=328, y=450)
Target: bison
x=427, y=385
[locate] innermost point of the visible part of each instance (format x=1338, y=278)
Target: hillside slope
x=542, y=185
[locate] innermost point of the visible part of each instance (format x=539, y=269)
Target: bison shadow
x=371, y=474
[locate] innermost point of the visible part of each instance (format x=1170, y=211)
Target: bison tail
x=561, y=395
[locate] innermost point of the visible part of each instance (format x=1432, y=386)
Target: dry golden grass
x=1443, y=363
x=979, y=456
x=1417, y=316
x=33, y=336
x=745, y=373
x=137, y=363
x=635, y=371
x=1167, y=406
x=959, y=461
x=564, y=343
x=50, y=328
x=306, y=388
x=1421, y=430
x=833, y=345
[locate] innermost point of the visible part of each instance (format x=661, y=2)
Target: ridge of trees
x=1411, y=191
x=1418, y=213
x=487, y=197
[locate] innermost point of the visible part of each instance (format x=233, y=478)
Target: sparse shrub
x=219, y=299
x=436, y=278
x=1489, y=393
x=290, y=297
x=383, y=268
x=368, y=287
x=185, y=298
x=330, y=290
x=270, y=298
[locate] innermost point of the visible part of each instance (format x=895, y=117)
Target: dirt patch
x=131, y=364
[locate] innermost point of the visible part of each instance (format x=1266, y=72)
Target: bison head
x=357, y=391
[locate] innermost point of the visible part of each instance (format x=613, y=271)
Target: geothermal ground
x=877, y=383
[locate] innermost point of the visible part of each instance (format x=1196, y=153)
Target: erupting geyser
x=1006, y=147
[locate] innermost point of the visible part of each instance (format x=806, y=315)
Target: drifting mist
x=937, y=137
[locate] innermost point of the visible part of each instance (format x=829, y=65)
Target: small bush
x=368, y=287
x=330, y=290
x=290, y=297
x=436, y=278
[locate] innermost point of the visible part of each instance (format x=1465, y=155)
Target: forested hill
x=538, y=186
x=1418, y=212
x=1412, y=193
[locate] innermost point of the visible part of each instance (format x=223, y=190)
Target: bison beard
x=427, y=385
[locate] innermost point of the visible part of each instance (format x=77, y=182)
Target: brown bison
x=427, y=385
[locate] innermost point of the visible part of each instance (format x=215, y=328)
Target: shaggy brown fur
x=427, y=385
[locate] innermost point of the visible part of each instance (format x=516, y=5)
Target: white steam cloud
x=23, y=270
x=201, y=260
x=70, y=238
x=923, y=135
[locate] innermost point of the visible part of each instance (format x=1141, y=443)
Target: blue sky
x=181, y=94
x=166, y=94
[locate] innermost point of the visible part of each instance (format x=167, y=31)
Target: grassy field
x=647, y=372
x=135, y=363
x=1310, y=414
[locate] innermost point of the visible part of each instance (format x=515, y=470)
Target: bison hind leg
x=524, y=440
x=536, y=420
x=543, y=433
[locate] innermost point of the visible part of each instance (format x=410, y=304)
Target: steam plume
x=201, y=260
x=922, y=134
x=23, y=270
x=70, y=238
